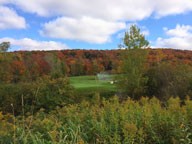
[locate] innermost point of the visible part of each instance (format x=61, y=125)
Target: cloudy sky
x=93, y=24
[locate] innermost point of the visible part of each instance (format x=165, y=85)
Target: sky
x=94, y=24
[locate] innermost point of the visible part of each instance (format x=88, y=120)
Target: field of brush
x=103, y=122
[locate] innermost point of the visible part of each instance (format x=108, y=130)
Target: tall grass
x=104, y=121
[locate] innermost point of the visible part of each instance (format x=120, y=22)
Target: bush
x=46, y=93
x=167, y=80
x=12, y=94
x=54, y=92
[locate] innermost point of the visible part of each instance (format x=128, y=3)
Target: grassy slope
x=89, y=84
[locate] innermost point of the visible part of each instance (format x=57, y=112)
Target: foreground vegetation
x=49, y=92
x=103, y=121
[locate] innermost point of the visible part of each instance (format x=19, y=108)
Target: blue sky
x=91, y=24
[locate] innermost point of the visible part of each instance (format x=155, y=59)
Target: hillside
x=28, y=65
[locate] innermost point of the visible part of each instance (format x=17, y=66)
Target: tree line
x=30, y=65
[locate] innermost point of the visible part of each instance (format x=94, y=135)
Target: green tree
x=4, y=61
x=166, y=80
x=4, y=46
x=54, y=92
x=132, y=80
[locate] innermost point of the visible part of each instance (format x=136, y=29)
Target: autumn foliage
x=28, y=66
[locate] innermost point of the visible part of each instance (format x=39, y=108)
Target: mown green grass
x=89, y=84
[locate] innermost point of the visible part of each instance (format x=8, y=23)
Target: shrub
x=167, y=80
x=54, y=92
x=46, y=93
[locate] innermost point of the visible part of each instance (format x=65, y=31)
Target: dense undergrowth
x=103, y=121
x=45, y=93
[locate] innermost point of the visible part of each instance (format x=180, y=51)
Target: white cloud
x=29, y=44
x=5, y=1
x=105, y=9
x=180, y=38
x=10, y=19
x=84, y=29
x=172, y=7
x=175, y=42
x=179, y=31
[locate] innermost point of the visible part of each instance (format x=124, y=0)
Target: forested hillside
x=29, y=65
